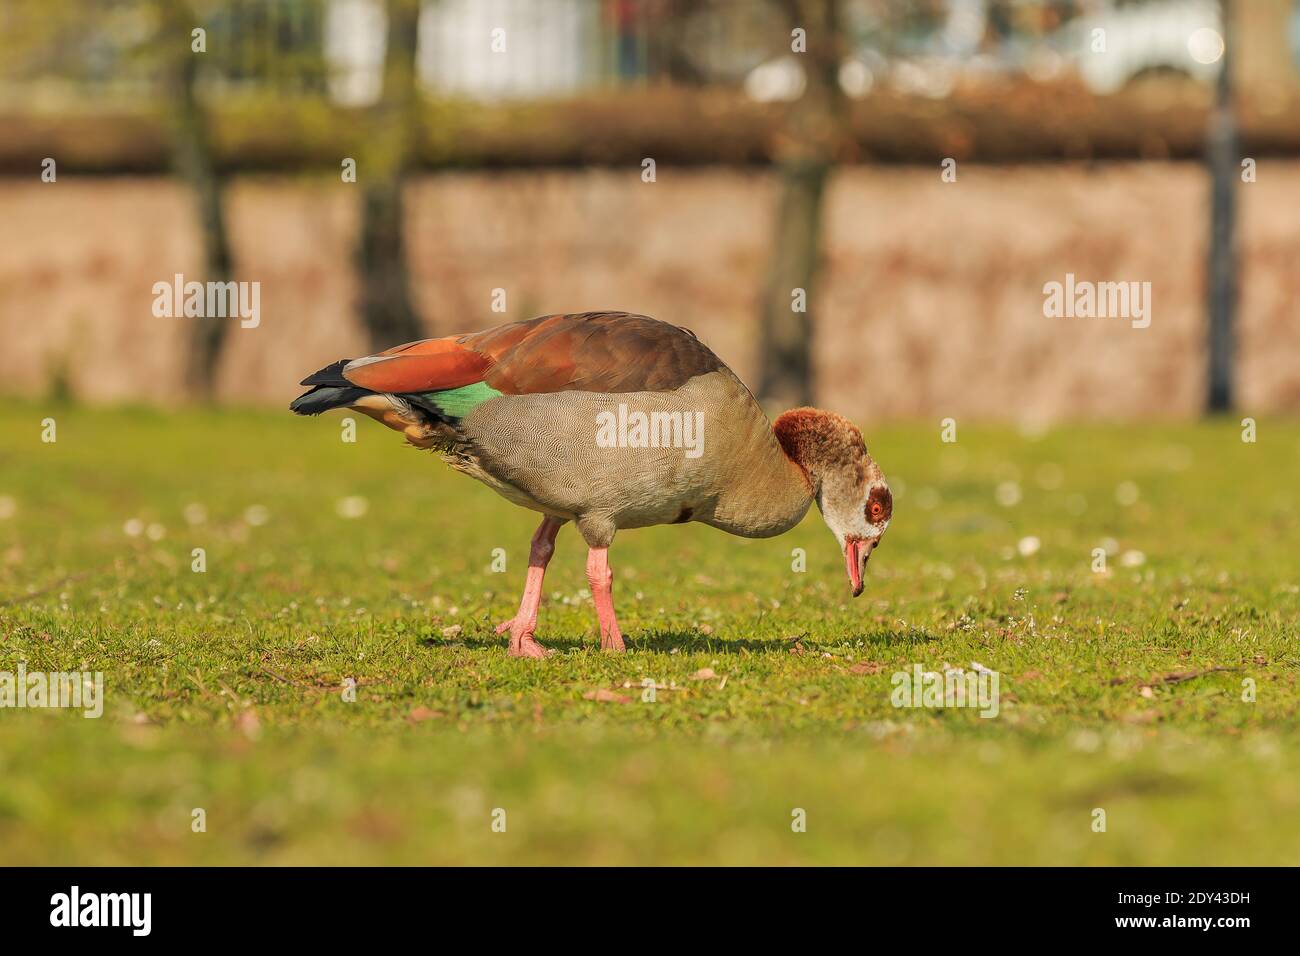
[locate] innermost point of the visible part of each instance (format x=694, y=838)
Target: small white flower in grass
x=155, y=532
x=257, y=515
x=1008, y=494
x=353, y=506
x=8, y=507
x=1109, y=545
x=1028, y=546
x=1132, y=559
x=195, y=514
x=133, y=527
x=1126, y=493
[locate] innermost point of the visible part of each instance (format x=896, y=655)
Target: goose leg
x=601, y=579
x=524, y=623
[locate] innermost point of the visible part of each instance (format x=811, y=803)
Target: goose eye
x=876, y=510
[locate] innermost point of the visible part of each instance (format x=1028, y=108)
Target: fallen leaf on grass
x=606, y=697
x=423, y=713
x=1179, y=676
x=704, y=673
x=452, y=631
x=866, y=667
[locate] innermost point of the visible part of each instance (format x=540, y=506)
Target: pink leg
x=601, y=579
x=524, y=623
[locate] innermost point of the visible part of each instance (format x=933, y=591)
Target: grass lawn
x=1121, y=691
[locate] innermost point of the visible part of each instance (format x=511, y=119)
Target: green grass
x=224, y=688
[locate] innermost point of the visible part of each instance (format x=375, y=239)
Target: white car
x=1120, y=43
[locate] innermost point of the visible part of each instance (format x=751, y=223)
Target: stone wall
x=930, y=305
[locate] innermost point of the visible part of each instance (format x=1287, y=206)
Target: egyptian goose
x=612, y=420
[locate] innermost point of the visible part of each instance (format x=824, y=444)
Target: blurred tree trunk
x=813, y=136
x=195, y=164
x=666, y=34
x=386, y=309
x=1225, y=169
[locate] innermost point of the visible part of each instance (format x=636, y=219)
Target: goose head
x=845, y=481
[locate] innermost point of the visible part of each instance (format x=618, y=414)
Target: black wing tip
x=329, y=375
x=304, y=404
x=324, y=397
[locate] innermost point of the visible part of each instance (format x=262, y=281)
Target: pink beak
x=856, y=552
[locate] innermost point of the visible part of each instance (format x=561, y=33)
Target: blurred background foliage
x=211, y=89
x=583, y=81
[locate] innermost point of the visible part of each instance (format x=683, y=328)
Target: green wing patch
x=459, y=402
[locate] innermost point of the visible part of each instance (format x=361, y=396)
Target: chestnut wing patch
x=430, y=365
x=607, y=352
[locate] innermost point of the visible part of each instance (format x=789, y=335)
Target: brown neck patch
x=820, y=442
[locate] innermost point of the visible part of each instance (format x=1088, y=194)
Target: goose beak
x=856, y=553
